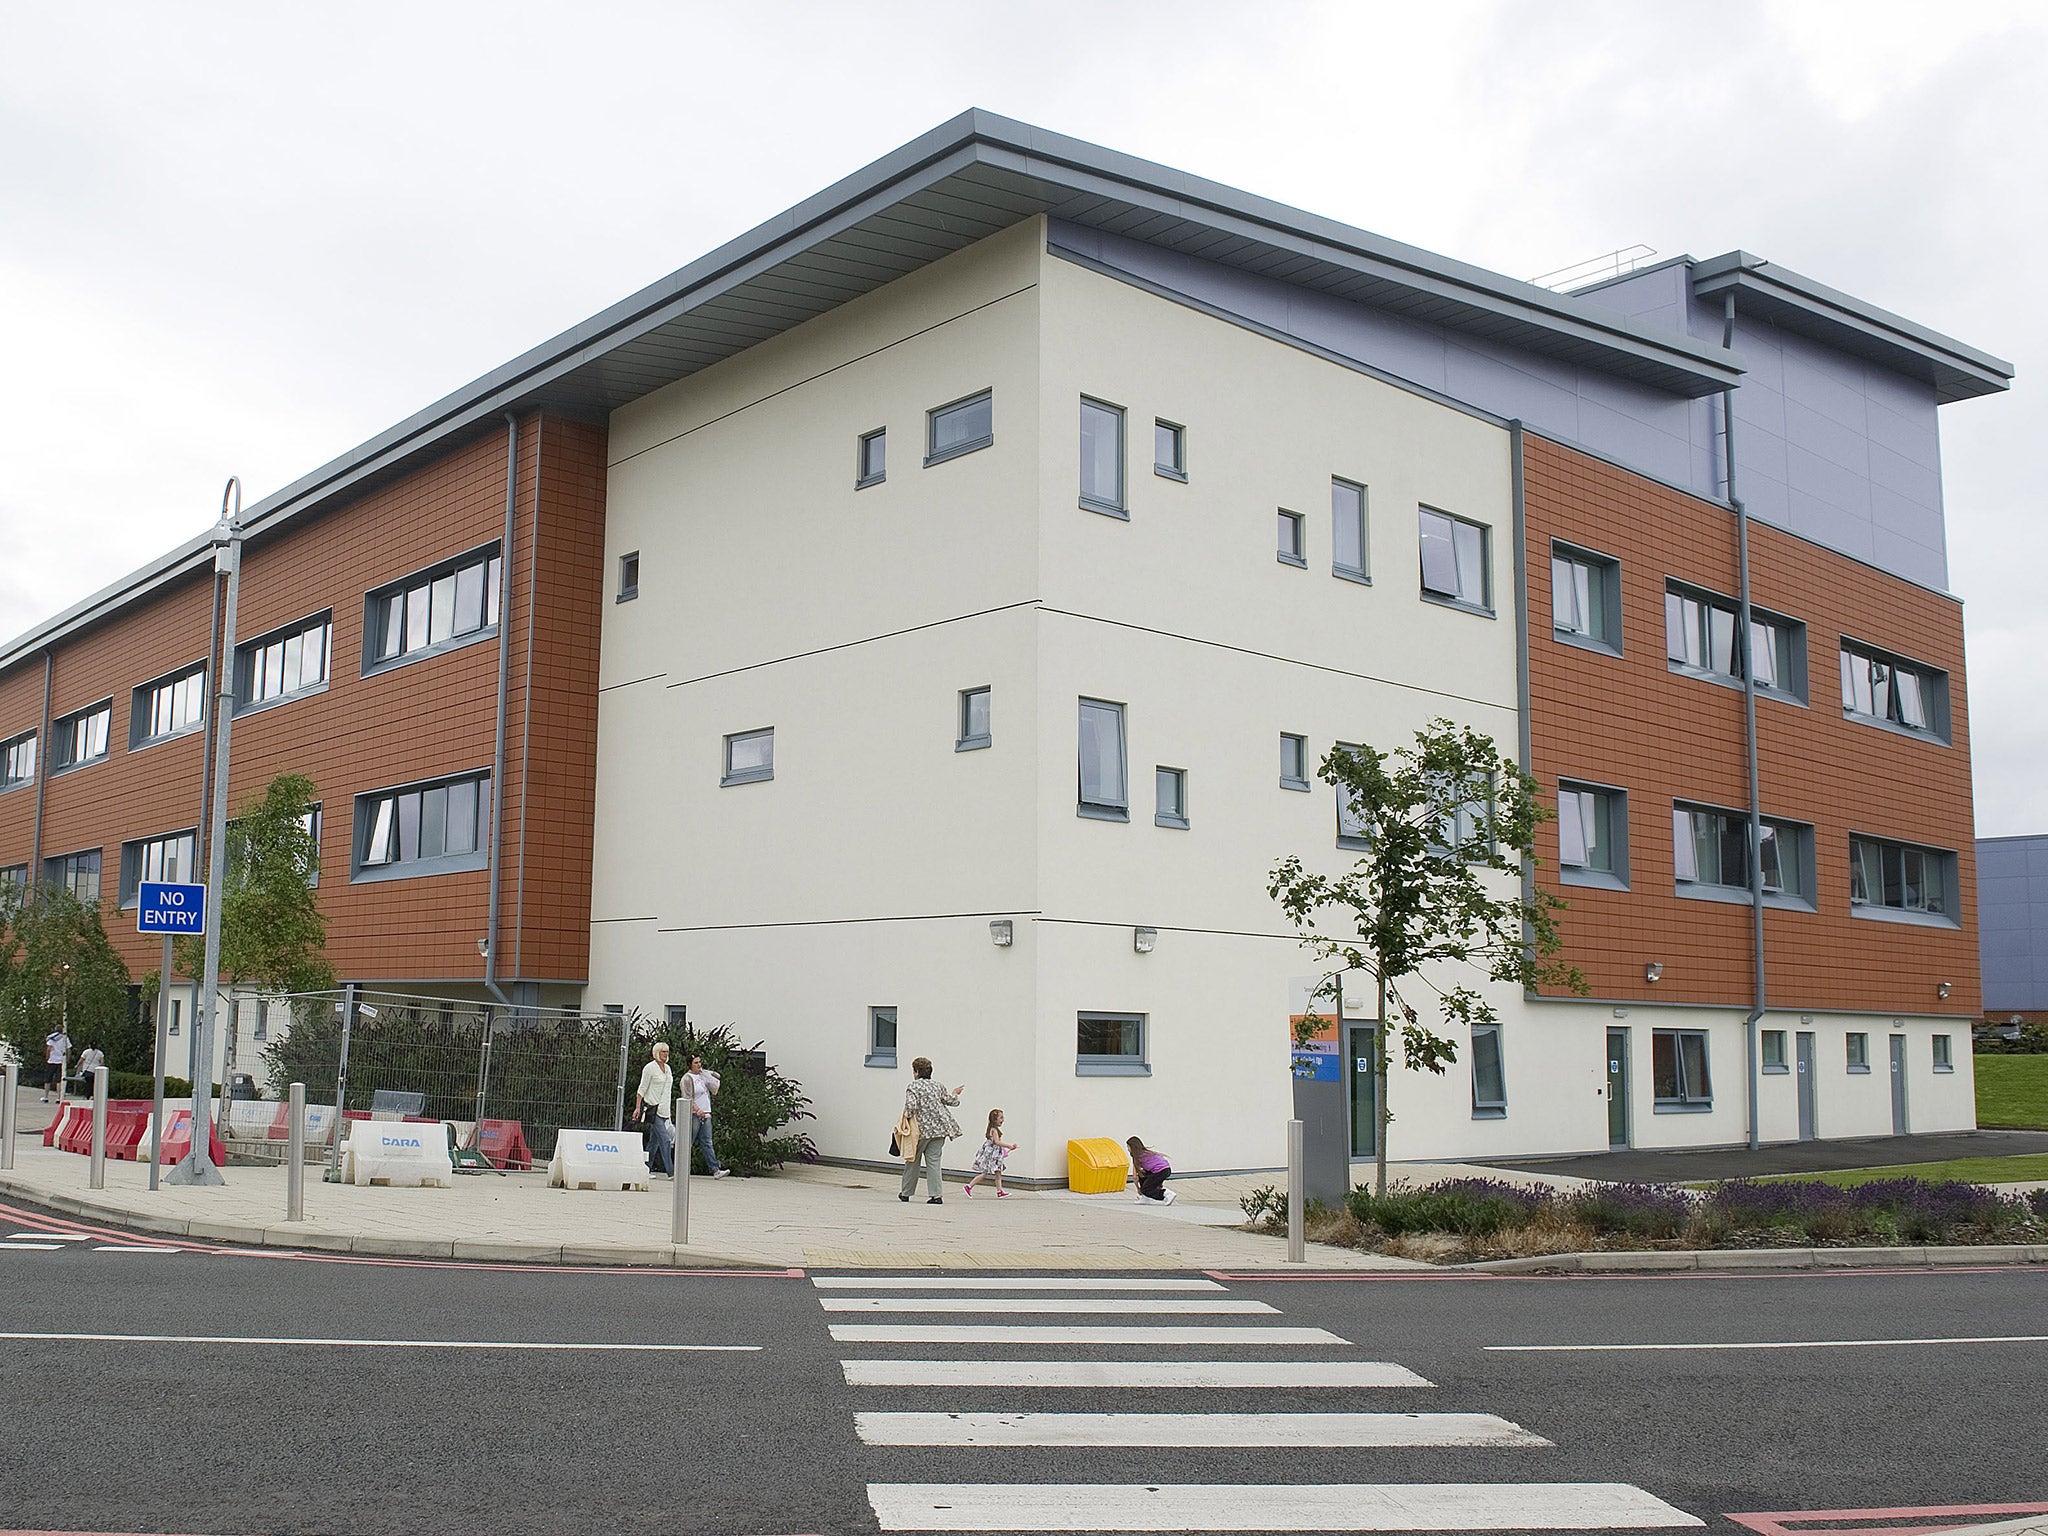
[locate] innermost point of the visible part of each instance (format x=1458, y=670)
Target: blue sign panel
x=1316, y=1061
x=162, y=908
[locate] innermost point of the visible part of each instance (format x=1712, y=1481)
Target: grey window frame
x=1123, y=1064
x=629, y=576
x=1161, y=817
x=968, y=740
x=142, y=706
x=1616, y=801
x=1175, y=468
x=488, y=555
x=62, y=729
x=1362, y=572
x=1117, y=506
x=1933, y=688
x=1459, y=600
x=1944, y=859
x=1802, y=843
x=14, y=875
x=1352, y=840
x=938, y=413
x=1943, y=1050
x=1607, y=570
x=65, y=862
x=1496, y=1107
x=675, y=1013
x=760, y=775
x=129, y=892
x=1856, y=1052
x=1766, y=1039
x=1103, y=810
x=1295, y=551
x=362, y=826
x=10, y=752
x=1793, y=690
x=863, y=477
x=880, y=1055
x=247, y=651
x=1286, y=781
x=1687, y=1101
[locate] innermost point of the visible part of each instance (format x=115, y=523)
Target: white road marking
x=1054, y=1333
x=1000, y=1283
x=1114, y=1305
x=14, y=1247
x=1270, y=1507
x=133, y=1248
x=1128, y=1373
x=2009, y=1338
x=54, y=1237
x=203, y=1338
x=1300, y=1430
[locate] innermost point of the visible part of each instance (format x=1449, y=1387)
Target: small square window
x=1102, y=457
x=1110, y=1045
x=1347, y=530
x=749, y=757
x=1944, y=1054
x=1172, y=785
x=1455, y=560
x=1592, y=835
x=1774, y=1050
x=871, y=463
x=960, y=428
x=1858, y=1051
x=1585, y=598
x=974, y=720
x=629, y=576
x=881, y=1038
x=1678, y=1070
x=1292, y=548
x=1293, y=761
x=1170, y=450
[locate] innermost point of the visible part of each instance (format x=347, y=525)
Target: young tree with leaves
x=57, y=966
x=1448, y=825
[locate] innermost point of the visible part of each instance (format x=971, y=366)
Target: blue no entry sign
x=162, y=908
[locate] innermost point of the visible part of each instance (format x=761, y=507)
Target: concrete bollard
x=1297, y=1241
x=295, y=1156
x=10, y=1084
x=99, y=1128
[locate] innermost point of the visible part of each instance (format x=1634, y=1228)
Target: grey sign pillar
x=1324, y=1110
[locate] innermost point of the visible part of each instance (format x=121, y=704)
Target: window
x=289, y=661
x=262, y=1019
x=1172, y=786
x=1858, y=1045
x=1351, y=828
x=78, y=873
x=1293, y=545
x=974, y=734
x=1901, y=881
x=1347, y=530
x=1454, y=560
x=1678, y=1069
x=962, y=427
x=167, y=708
x=1711, y=855
x=1111, y=1045
x=1773, y=1041
x=424, y=829
x=871, y=459
x=1293, y=761
x=172, y=860
x=675, y=1013
x=1489, y=1083
x=1170, y=450
x=309, y=822
x=18, y=761
x=1881, y=689
x=13, y=877
x=81, y=738
x=749, y=757
x=1467, y=831
x=629, y=576
x=1592, y=835
x=177, y=1014
x=1944, y=1056
x=1102, y=458
x=1585, y=598
x=1103, y=794
x=437, y=609
x=1699, y=639
x=881, y=1037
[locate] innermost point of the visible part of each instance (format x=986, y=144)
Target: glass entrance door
x=1617, y=1087
x=1359, y=1060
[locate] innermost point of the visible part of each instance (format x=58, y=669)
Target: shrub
x=1649, y=1211
x=142, y=1085
x=1468, y=1207
x=754, y=1103
x=1264, y=1204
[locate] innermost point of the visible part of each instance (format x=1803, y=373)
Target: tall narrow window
x=881, y=1037
x=1293, y=761
x=1454, y=560
x=1103, y=792
x=18, y=761
x=629, y=576
x=81, y=738
x=974, y=720
x=749, y=757
x=1351, y=828
x=1489, y=1081
x=1773, y=1041
x=959, y=428
x=437, y=609
x=424, y=829
x=284, y=662
x=1102, y=457
x=1944, y=1058
x=1170, y=450
x=1347, y=530
x=1857, y=1050
x=1592, y=835
x=1881, y=689
x=1172, y=788
x=1585, y=597
x=871, y=460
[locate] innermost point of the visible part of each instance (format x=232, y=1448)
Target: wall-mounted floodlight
x=1654, y=971
x=1000, y=933
x=1143, y=939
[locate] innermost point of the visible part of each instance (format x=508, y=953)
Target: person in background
x=56, y=1052
x=88, y=1059
x=993, y=1153
x=1153, y=1171
x=651, y=1100
x=702, y=1082
x=928, y=1102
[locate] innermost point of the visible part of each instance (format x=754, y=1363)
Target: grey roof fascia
x=1959, y=372
x=194, y=554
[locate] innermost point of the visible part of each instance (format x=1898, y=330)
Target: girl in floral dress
x=993, y=1154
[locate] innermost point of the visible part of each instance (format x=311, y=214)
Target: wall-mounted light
x=1654, y=971
x=1942, y=989
x=1621, y=1013
x=1000, y=933
x=1806, y=1018
x=1142, y=939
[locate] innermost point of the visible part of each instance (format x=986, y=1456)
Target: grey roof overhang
x=960, y=183
x=1797, y=303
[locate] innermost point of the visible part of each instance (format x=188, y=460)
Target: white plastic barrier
x=598, y=1160
x=402, y=1154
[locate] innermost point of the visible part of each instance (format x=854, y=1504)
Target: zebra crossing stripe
x=1293, y=1430
x=13, y=1247
x=1128, y=1373
x=1003, y=1283
x=50, y=1237
x=1270, y=1507
x=132, y=1248
x=1114, y=1305
x=1053, y=1333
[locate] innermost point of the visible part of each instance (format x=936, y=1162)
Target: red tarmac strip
x=1837, y=1522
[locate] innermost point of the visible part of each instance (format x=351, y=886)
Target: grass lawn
x=2032, y=1166
x=2012, y=1092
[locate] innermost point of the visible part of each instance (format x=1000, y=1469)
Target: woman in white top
x=651, y=1098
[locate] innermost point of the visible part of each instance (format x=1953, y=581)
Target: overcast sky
x=240, y=239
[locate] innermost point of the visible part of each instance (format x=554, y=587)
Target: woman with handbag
x=925, y=1107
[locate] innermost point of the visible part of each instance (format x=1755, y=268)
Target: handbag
x=904, y=1138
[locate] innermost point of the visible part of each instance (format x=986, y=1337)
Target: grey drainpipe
x=1756, y=814
x=504, y=681
x=43, y=755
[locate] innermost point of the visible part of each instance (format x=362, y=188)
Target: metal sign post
x=168, y=908
x=10, y=1084
x=1297, y=1199
x=163, y=1042
x=97, y=1178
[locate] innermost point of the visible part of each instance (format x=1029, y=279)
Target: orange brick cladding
x=418, y=720
x=1630, y=722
